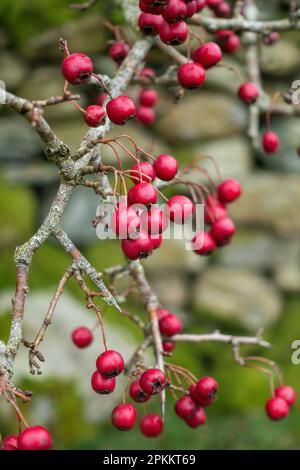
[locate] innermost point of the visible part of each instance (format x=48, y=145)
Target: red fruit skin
x=145, y=115
x=77, y=68
x=212, y=4
x=213, y=213
x=173, y=34
x=287, y=393
x=207, y=388
x=95, y=115
x=200, y=5
x=162, y=312
x=118, y=51
x=102, y=98
x=277, y=408
x=170, y=325
x=196, y=418
x=223, y=10
x=168, y=346
x=154, y=221
x=152, y=381
x=191, y=75
x=151, y=425
x=228, y=41
x=229, y=190
x=270, y=142
x=11, y=442
x=125, y=221
x=176, y=10
x=143, y=193
x=142, y=167
x=222, y=231
x=156, y=240
x=191, y=8
x=110, y=363
x=271, y=38
x=248, y=92
x=149, y=24
x=124, y=416
x=198, y=399
x=35, y=438
x=146, y=7
x=82, y=337
x=102, y=385
x=147, y=72
x=140, y=247
x=184, y=406
x=208, y=55
x=166, y=167
x=136, y=393
x=204, y=244
x=120, y=110
x=148, y=97
x=181, y=208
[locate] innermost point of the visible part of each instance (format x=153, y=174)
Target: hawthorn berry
x=11, y=442
x=248, y=92
x=206, y=387
x=270, y=142
x=154, y=221
x=184, y=406
x=120, y=109
x=212, y=4
x=82, y=337
x=153, y=9
x=35, y=438
x=102, y=385
x=139, y=247
x=148, y=97
x=287, y=393
x=203, y=243
x=143, y=193
x=222, y=231
x=166, y=167
x=176, y=10
x=148, y=73
x=277, y=408
x=200, y=5
x=196, y=418
x=271, y=38
x=136, y=393
x=168, y=346
x=191, y=8
x=145, y=115
x=173, y=34
x=228, y=40
x=149, y=24
x=223, y=10
x=102, y=98
x=110, y=363
x=152, y=381
x=95, y=115
x=77, y=68
x=181, y=208
x=207, y=55
x=213, y=213
x=156, y=240
x=170, y=325
x=199, y=400
x=119, y=51
x=125, y=221
x=124, y=416
x=229, y=190
x=151, y=425
x=142, y=171
x=191, y=75
x=162, y=312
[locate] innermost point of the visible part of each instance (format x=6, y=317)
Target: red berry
x=191, y=75
x=148, y=97
x=139, y=247
x=143, y=193
x=152, y=381
x=146, y=168
x=102, y=98
x=222, y=231
x=173, y=34
x=191, y=8
x=184, y=406
x=124, y=416
x=216, y=212
x=203, y=243
x=118, y=51
x=151, y=425
x=287, y=393
x=35, y=438
x=147, y=72
x=200, y=4
x=149, y=24
x=229, y=190
x=170, y=325
x=181, y=208
x=125, y=221
x=176, y=10
x=145, y=115
x=277, y=408
x=154, y=221
x=94, y=115
x=156, y=240
x=223, y=10
x=208, y=55
x=120, y=109
x=11, y=442
x=270, y=142
x=162, y=312
x=82, y=337
x=166, y=167
x=228, y=41
x=110, y=363
x=271, y=38
x=248, y=92
x=102, y=385
x=198, y=399
x=207, y=387
x=153, y=8
x=136, y=393
x=168, y=346
x=77, y=68
x=212, y=4
x=196, y=418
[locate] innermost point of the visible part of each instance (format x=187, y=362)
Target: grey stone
x=18, y=141
x=238, y=296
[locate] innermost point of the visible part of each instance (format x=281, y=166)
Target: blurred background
x=254, y=282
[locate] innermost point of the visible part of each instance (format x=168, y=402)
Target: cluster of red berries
x=169, y=325
x=278, y=407
x=145, y=113
x=109, y=365
x=190, y=407
x=221, y=226
x=32, y=438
